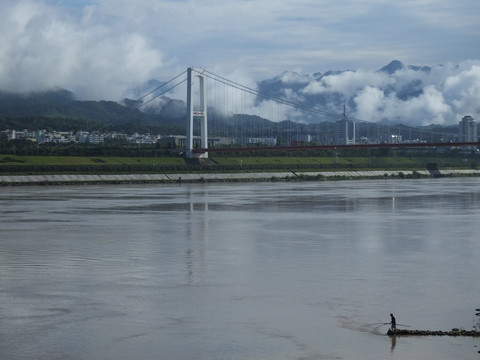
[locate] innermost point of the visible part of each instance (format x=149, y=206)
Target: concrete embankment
x=11, y=180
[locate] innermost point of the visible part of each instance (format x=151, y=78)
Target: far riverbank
x=52, y=179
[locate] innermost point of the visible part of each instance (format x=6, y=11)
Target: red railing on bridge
x=336, y=146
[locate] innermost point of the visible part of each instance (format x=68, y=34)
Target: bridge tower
x=344, y=133
x=200, y=113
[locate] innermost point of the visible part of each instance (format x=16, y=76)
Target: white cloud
x=442, y=95
x=348, y=83
x=268, y=37
x=428, y=108
x=439, y=12
x=43, y=47
x=102, y=48
x=463, y=89
x=448, y=93
x=370, y=102
x=295, y=78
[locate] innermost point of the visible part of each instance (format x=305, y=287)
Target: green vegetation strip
x=16, y=164
x=86, y=160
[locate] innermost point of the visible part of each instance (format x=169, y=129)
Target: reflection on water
x=239, y=271
x=394, y=342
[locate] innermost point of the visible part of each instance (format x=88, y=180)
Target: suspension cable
x=255, y=92
x=159, y=87
x=156, y=97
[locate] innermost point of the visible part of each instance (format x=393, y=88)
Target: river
x=301, y=270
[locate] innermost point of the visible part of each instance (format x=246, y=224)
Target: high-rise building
x=467, y=129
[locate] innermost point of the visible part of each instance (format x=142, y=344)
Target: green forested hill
x=58, y=109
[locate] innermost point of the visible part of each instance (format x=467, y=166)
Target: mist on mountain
x=395, y=94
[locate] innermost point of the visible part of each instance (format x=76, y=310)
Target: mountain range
x=394, y=94
x=334, y=89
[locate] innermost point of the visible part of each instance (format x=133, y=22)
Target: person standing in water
x=393, y=322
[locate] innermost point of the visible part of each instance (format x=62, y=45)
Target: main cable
x=159, y=87
x=257, y=93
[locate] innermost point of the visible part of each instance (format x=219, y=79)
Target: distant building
x=90, y=138
x=116, y=135
x=394, y=139
x=253, y=141
x=467, y=129
x=300, y=140
x=180, y=141
x=144, y=138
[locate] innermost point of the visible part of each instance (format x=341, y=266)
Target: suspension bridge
x=224, y=115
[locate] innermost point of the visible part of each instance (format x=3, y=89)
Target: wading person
x=393, y=322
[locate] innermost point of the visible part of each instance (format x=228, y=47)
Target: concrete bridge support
x=199, y=113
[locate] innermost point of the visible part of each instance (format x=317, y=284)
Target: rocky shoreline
x=453, y=332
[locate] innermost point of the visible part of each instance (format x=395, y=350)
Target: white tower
x=345, y=135
x=201, y=113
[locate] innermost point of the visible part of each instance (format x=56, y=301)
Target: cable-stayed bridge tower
x=200, y=112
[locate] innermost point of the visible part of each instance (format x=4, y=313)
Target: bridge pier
x=193, y=113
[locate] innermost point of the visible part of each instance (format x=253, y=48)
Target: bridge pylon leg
x=200, y=112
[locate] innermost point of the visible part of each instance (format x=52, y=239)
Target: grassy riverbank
x=14, y=164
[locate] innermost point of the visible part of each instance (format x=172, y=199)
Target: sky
x=101, y=49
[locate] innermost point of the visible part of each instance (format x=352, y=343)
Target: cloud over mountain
x=42, y=47
x=397, y=93
x=101, y=49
